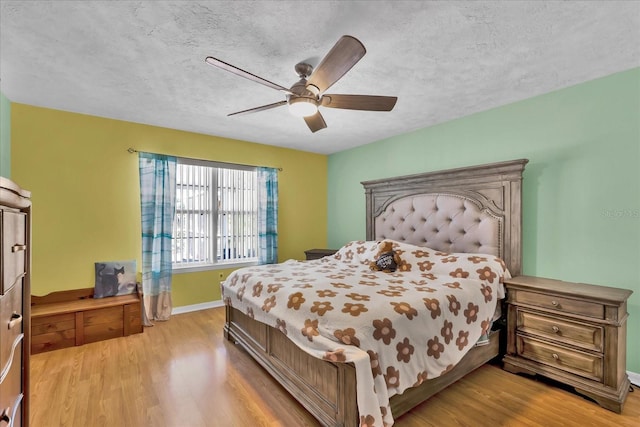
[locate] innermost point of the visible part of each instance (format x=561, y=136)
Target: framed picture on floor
x=115, y=278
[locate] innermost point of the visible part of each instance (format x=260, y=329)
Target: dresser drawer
x=13, y=412
x=14, y=247
x=589, y=337
x=559, y=304
x=10, y=323
x=572, y=361
x=11, y=389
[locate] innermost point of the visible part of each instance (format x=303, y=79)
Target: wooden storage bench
x=68, y=318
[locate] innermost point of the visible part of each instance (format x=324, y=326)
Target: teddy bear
x=387, y=260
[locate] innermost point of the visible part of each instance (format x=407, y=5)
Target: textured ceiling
x=143, y=61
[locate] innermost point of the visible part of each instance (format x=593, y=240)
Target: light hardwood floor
x=183, y=373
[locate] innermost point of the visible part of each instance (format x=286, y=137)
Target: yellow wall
x=86, y=203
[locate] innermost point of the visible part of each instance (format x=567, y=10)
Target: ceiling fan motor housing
x=300, y=88
x=302, y=102
x=303, y=70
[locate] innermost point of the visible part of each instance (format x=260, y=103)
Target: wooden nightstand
x=571, y=332
x=318, y=253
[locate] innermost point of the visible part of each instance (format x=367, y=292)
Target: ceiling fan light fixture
x=303, y=106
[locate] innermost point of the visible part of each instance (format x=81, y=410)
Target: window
x=216, y=219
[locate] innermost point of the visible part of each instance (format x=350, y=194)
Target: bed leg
x=227, y=324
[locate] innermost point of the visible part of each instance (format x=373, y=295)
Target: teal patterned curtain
x=268, y=215
x=158, y=203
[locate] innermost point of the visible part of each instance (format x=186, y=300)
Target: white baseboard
x=634, y=377
x=196, y=307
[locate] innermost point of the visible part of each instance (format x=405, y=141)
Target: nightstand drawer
x=560, y=304
x=573, y=361
x=579, y=334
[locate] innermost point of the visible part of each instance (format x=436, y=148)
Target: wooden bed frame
x=328, y=390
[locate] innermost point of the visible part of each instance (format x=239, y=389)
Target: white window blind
x=216, y=218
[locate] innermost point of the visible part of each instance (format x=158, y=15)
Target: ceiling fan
x=307, y=94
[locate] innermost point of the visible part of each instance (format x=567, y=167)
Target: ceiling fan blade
x=340, y=59
x=242, y=73
x=262, y=108
x=315, y=122
x=359, y=102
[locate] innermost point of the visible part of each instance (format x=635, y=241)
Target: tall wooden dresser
x=15, y=303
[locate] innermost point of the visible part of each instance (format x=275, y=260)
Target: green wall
x=581, y=190
x=86, y=194
x=5, y=136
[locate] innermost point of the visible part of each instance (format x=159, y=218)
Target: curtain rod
x=133, y=150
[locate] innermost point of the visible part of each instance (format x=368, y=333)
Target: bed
x=473, y=210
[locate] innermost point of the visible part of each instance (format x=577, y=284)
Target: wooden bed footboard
x=328, y=390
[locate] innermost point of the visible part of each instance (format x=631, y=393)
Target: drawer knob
x=5, y=416
x=555, y=329
x=18, y=248
x=555, y=356
x=16, y=319
x=554, y=303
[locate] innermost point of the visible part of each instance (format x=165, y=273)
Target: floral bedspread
x=398, y=328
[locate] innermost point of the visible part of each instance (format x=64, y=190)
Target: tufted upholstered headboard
x=475, y=209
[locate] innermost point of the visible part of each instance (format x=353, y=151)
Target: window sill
x=211, y=267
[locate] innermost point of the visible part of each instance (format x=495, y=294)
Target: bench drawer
x=102, y=324
x=53, y=332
